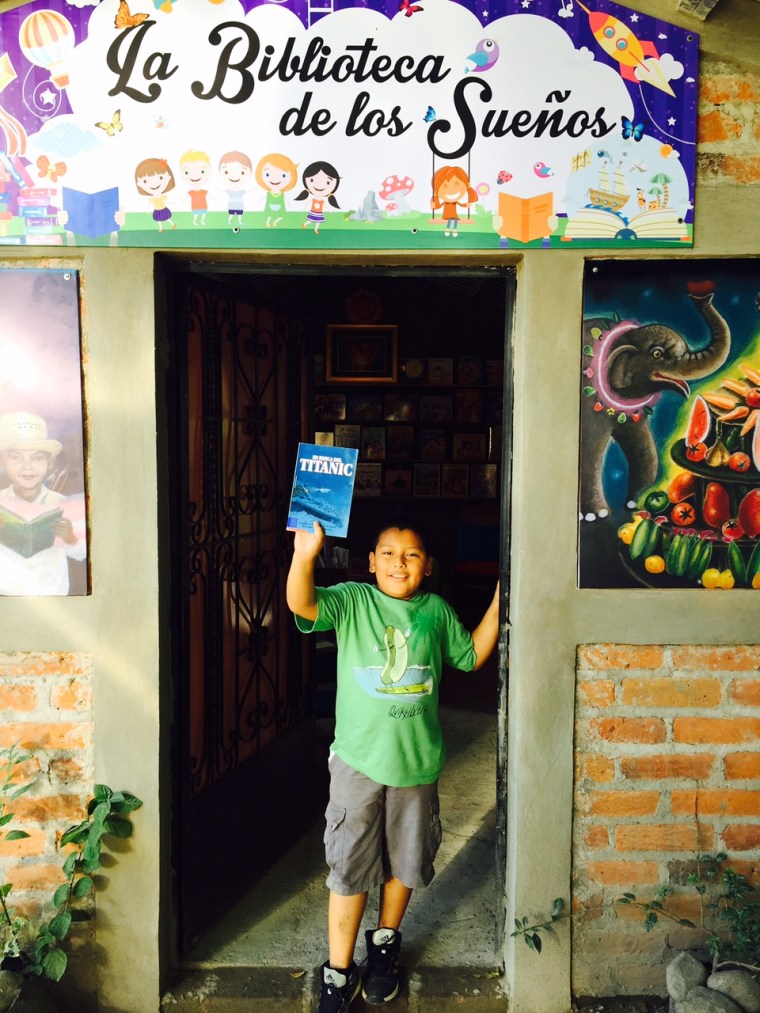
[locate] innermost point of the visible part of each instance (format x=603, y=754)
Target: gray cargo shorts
x=375, y=832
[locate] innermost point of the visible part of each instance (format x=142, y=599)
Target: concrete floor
x=453, y=923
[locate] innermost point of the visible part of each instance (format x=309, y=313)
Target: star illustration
x=634, y=17
x=48, y=97
x=671, y=121
x=526, y=3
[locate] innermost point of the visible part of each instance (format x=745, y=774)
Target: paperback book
x=323, y=486
x=27, y=528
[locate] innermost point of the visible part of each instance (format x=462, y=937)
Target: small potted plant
x=33, y=949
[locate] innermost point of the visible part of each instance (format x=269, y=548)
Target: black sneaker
x=339, y=989
x=381, y=980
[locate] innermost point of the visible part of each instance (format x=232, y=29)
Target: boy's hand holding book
x=309, y=544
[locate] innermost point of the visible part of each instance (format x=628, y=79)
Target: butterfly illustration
x=124, y=17
x=46, y=170
x=114, y=126
x=409, y=8
x=630, y=130
x=429, y=115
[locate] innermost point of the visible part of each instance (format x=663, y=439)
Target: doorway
x=248, y=379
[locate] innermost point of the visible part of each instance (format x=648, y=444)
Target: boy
x=26, y=458
x=382, y=818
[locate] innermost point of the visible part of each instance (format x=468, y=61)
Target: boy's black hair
x=403, y=524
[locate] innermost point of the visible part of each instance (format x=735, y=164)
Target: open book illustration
x=27, y=528
x=323, y=485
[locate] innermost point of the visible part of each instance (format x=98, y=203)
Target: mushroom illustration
x=395, y=190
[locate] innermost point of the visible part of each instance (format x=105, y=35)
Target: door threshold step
x=280, y=989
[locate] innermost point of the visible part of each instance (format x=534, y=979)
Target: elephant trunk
x=707, y=360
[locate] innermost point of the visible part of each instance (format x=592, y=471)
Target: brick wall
x=667, y=763
x=46, y=706
x=728, y=126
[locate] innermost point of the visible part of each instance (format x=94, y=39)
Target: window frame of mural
x=669, y=493
x=43, y=514
x=248, y=126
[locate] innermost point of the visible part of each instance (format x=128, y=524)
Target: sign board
x=382, y=124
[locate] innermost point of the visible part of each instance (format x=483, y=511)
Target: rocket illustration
x=631, y=53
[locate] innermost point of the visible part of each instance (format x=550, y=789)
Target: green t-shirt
x=390, y=655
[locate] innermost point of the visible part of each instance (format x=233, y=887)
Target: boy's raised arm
x=300, y=594
x=486, y=633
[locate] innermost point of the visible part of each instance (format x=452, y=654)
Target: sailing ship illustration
x=611, y=194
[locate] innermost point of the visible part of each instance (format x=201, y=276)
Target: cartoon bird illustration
x=542, y=170
x=485, y=56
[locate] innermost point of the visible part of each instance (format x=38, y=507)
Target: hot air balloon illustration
x=46, y=39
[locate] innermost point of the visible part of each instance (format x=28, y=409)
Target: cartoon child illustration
x=195, y=167
x=320, y=181
x=154, y=179
x=235, y=168
x=452, y=190
x=276, y=174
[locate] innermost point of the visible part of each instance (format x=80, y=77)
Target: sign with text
x=416, y=124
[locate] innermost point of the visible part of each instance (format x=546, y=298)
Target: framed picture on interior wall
x=454, y=481
x=468, y=446
x=373, y=443
x=397, y=408
x=399, y=444
x=398, y=482
x=441, y=371
x=364, y=408
x=369, y=480
x=432, y=444
x=43, y=522
x=361, y=353
x=468, y=405
x=330, y=407
x=427, y=481
x=325, y=439
x=483, y=481
x=348, y=435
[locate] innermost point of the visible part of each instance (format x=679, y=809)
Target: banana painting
x=398, y=656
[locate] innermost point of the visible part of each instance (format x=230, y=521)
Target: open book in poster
x=27, y=528
x=323, y=486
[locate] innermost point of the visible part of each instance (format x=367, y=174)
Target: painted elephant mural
x=627, y=366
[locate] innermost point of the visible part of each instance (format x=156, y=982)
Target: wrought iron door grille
x=242, y=408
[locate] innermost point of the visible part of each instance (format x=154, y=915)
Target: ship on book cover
x=27, y=535
x=323, y=486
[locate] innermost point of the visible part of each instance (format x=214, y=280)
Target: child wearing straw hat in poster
x=26, y=458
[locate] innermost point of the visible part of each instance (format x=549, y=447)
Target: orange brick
x=622, y=729
x=745, y=692
x=662, y=837
x=743, y=170
x=694, y=766
x=739, y=658
x=742, y=837
x=672, y=692
x=748, y=868
x=75, y=695
x=620, y=656
x=66, y=770
x=624, y=803
x=623, y=873
x=61, y=735
x=596, y=838
x=725, y=731
x=597, y=768
x=34, y=844
x=599, y=693
x=715, y=802
x=53, y=807
x=742, y=766
x=30, y=876
x=38, y=663
x=18, y=698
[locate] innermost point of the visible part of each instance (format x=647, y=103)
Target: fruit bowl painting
x=702, y=528
x=669, y=493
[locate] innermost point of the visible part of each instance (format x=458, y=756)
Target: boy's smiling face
x=26, y=469
x=400, y=563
